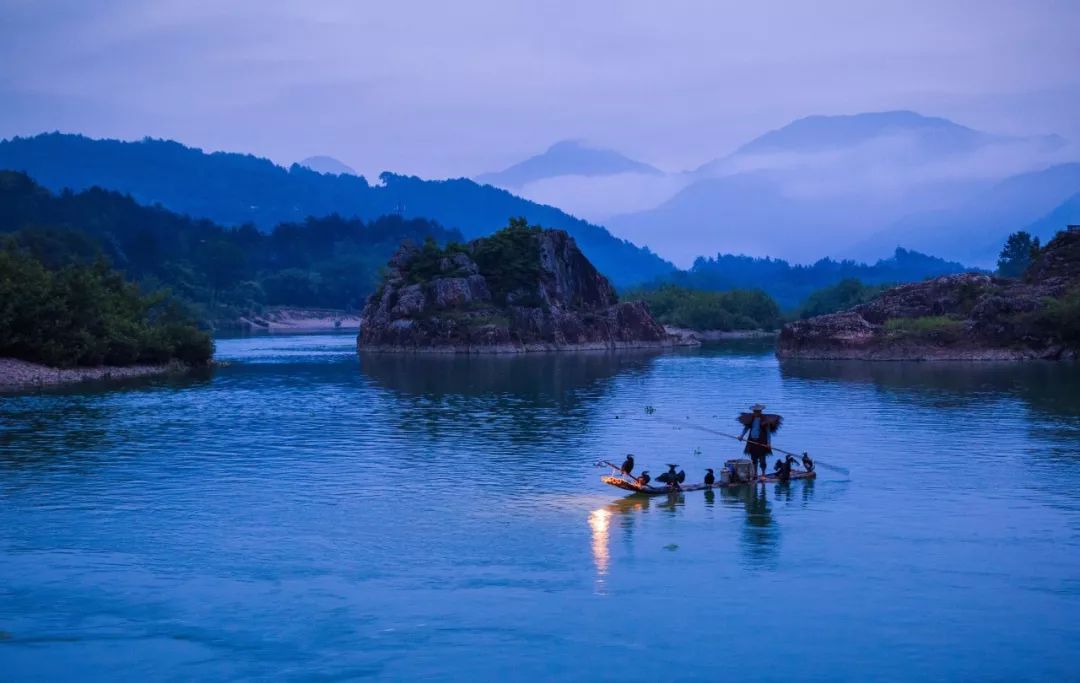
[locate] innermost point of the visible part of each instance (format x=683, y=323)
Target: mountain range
x=569, y=157
x=234, y=189
x=220, y=191
x=853, y=185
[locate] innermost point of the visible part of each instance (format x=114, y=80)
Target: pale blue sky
x=457, y=88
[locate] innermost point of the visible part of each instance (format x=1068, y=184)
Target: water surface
x=304, y=513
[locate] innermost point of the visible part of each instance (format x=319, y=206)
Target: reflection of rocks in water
x=541, y=377
x=532, y=398
x=1052, y=387
x=760, y=535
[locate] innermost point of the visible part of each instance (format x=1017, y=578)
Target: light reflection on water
x=303, y=512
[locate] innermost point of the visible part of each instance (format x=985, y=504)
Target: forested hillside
x=328, y=262
x=235, y=189
x=65, y=314
x=790, y=284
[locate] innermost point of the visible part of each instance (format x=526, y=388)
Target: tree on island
x=1019, y=250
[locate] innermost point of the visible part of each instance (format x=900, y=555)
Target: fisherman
x=760, y=427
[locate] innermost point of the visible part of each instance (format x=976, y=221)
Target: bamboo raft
x=620, y=483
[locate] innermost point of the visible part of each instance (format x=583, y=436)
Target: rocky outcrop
x=522, y=289
x=970, y=316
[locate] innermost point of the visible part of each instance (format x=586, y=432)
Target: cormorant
x=783, y=468
x=807, y=462
x=628, y=465
x=710, y=479
x=644, y=479
x=669, y=477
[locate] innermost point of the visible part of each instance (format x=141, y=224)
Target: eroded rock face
x=969, y=316
x=455, y=306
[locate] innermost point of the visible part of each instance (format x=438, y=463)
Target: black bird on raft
x=783, y=468
x=628, y=465
x=710, y=478
x=669, y=477
x=644, y=479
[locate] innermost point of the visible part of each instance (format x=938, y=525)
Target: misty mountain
x=826, y=133
x=1067, y=213
x=976, y=229
x=324, y=164
x=587, y=181
x=821, y=184
x=234, y=189
x=566, y=158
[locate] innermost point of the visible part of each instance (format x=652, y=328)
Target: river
x=303, y=513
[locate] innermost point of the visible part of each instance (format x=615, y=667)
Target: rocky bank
x=969, y=316
x=522, y=289
x=17, y=375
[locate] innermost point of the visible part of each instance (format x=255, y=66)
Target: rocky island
x=969, y=316
x=521, y=289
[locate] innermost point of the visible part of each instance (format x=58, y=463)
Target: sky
x=448, y=89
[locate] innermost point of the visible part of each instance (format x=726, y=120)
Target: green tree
x=1019, y=251
x=699, y=310
x=87, y=314
x=841, y=296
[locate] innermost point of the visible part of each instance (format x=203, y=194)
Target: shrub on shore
x=938, y=327
x=843, y=295
x=87, y=315
x=701, y=310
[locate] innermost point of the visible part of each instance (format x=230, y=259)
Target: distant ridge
x=330, y=165
x=568, y=157
x=824, y=185
x=829, y=132
x=233, y=189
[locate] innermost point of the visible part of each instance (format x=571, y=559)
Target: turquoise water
x=305, y=514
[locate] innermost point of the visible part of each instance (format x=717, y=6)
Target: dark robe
x=770, y=424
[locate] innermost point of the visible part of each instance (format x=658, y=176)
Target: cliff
x=970, y=316
x=521, y=289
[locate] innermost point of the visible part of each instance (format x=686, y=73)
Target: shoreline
x=18, y=374
x=928, y=355
x=718, y=335
x=515, y=349
x=292, y=319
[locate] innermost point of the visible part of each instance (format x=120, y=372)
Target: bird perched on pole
x=628, y=465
